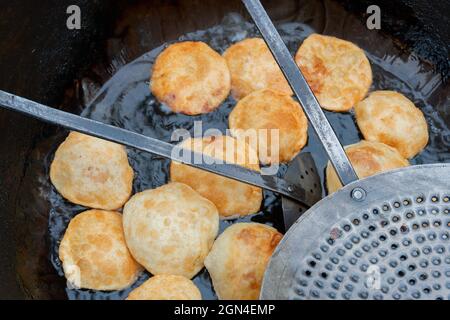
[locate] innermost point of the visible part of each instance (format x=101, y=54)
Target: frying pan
x=46, y=62
x=298, y=270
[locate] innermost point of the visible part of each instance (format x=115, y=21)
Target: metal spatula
x=291, y=189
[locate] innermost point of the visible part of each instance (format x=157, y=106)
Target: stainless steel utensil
x=383, y=237
x=288, y=189
x=302, y=170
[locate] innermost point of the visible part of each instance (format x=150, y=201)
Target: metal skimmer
x=394, y=244
x=383, y=237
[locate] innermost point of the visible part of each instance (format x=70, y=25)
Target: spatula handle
x=152, y=145
x=303, y=92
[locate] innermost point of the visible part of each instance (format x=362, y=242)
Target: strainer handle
x=303, y=92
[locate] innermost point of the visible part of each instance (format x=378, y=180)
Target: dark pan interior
x=46, y=62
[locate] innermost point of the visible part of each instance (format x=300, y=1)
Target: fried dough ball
x=190, y=77
x=166, y=287
x=253, y=67
x=337, y=71
x=368, y=158
x=269, y=109
x=94, y=254
x=238, y=260
x=391, y=118
x=232, y=198
x=92, y=172
x=170, y=229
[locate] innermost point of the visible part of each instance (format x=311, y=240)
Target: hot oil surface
x=126, y=101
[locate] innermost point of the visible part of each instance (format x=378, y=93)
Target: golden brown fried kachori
x=253, y=67
x=337, y=71
x=170, y=229
x=190, y=77
x=232, y=198
x=238, y=260
x=391, y=118
x=268, y=109
x=166, y=287
x=92, y=172
x=368, y=158
x=94, y=254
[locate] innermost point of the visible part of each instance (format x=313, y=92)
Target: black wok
x=44, y=61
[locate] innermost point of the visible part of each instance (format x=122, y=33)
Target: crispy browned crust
x=166, y=287
x=170, y=229
x=232, y=198
x=368, y=158
x=238, y=260
x=92, y=172
x=391, y=118
x=337, y=71
x=270, y=109
x=94, y=253
x=190, y=77
x=253, y=67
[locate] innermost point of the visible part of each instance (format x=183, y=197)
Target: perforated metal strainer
x=394, y=244
x=383, y=237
